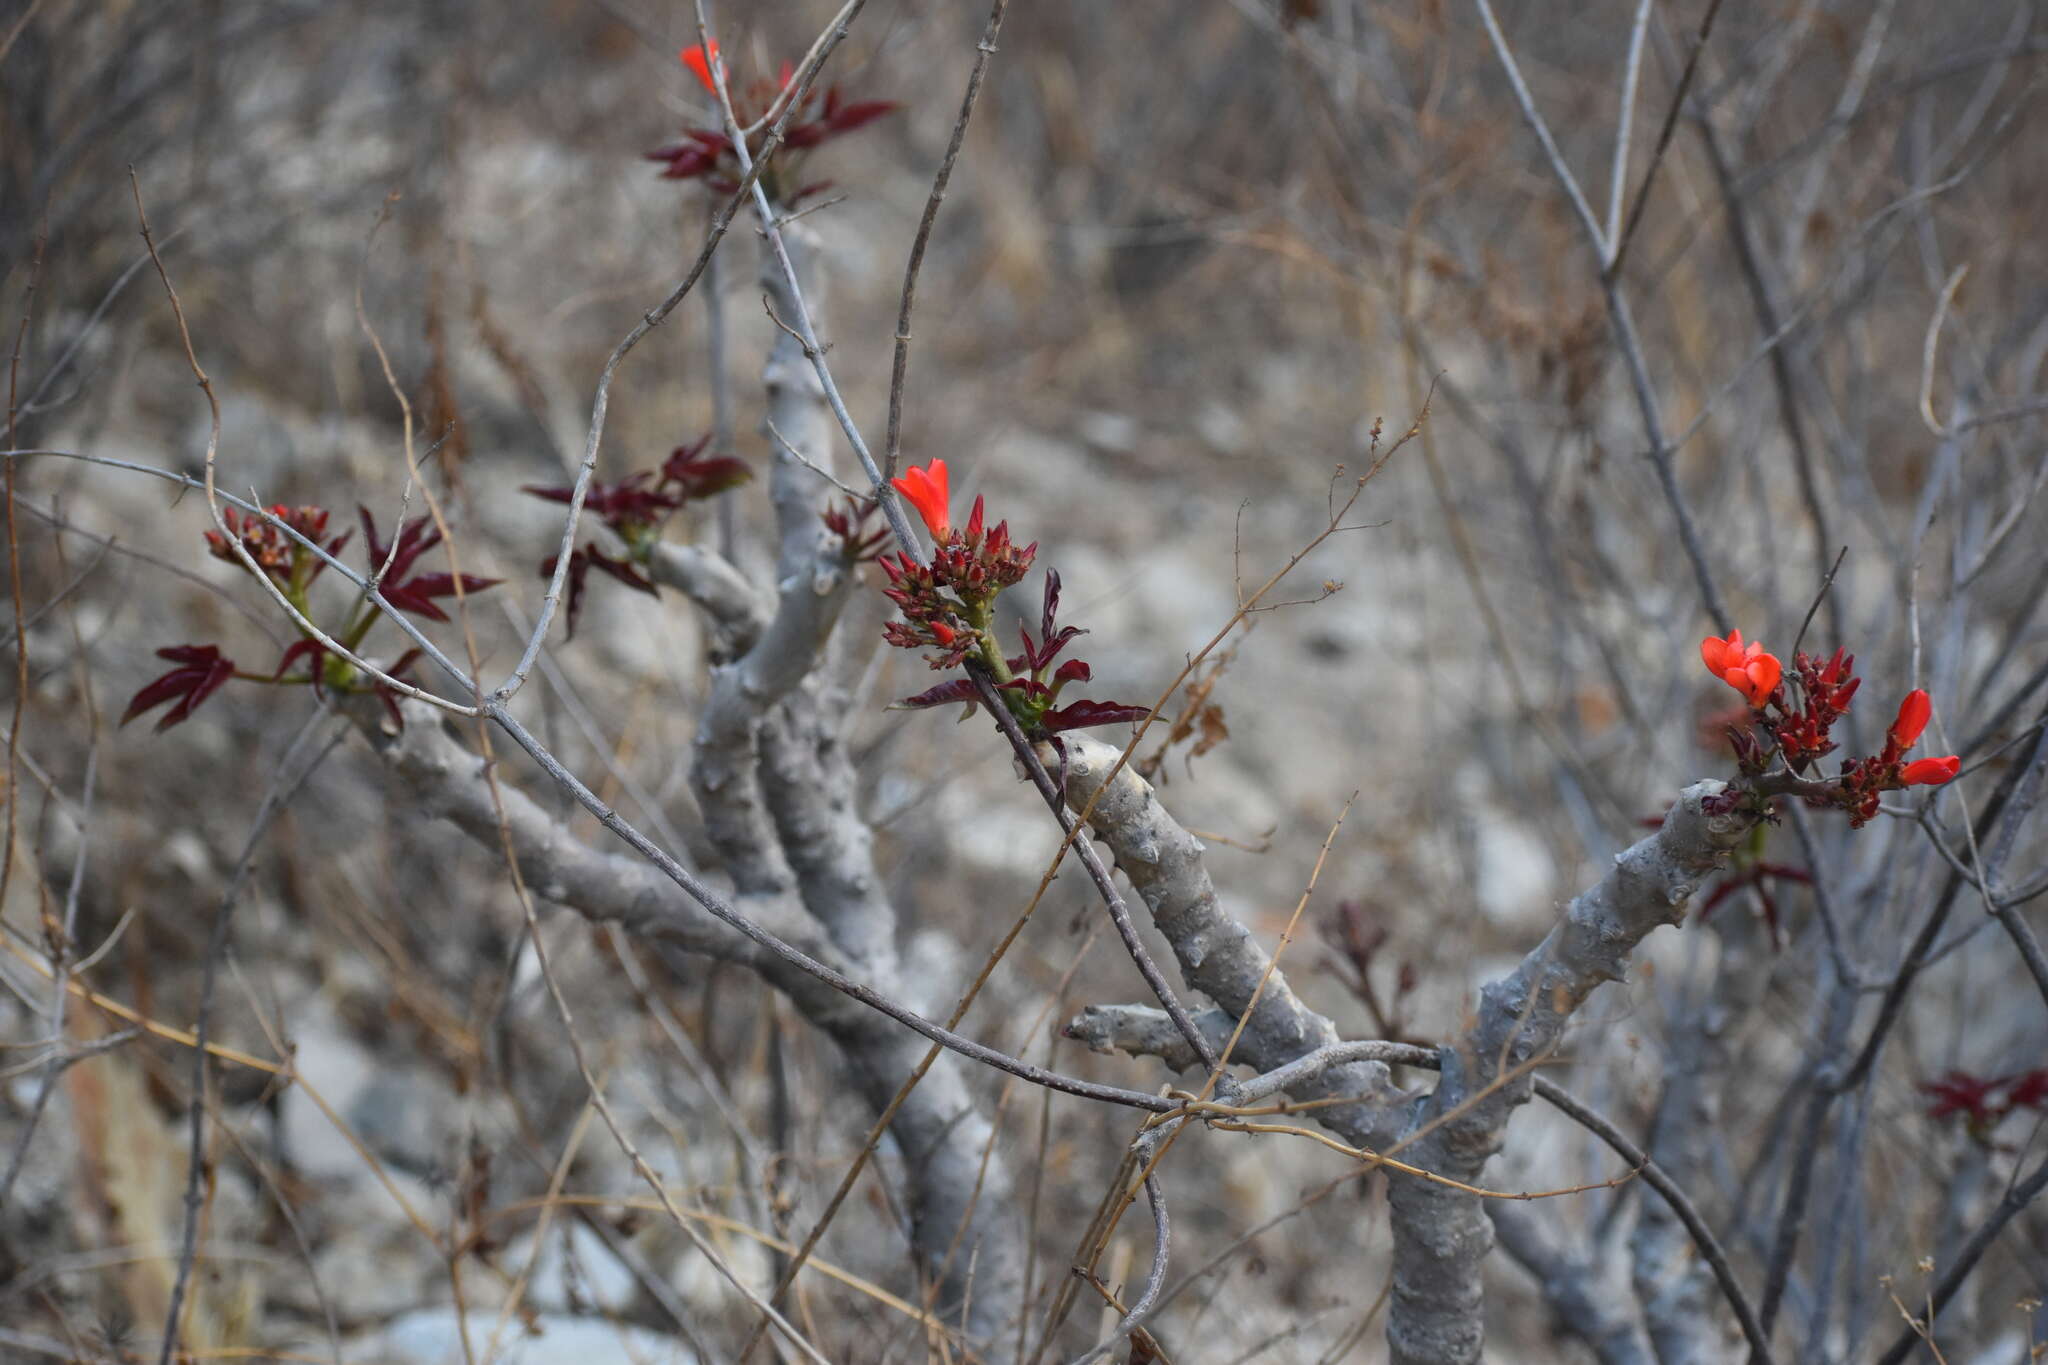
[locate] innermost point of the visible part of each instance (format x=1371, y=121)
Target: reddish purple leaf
x=416, y=594
x=316, y=655
x=1084, y=714
x=201, y=671
x=958, y=690
x=1959, y=1092
x=852, y=116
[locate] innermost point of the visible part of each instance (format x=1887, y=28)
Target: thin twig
x=1132, y=1320
x=1635, y=212
x=2017, y=1197
x=1617, y=181
x=899, y=368
x=283, y=787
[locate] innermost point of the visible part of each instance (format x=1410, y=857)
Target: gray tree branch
x=1217, y=955
x=1441, y=1235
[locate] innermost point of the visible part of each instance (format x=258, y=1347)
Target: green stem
x=983, y=613
x=352, y=638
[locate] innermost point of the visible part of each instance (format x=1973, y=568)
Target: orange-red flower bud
x=1746, y=668
x=698, y=57
x=1930, y=772
x=1914, y=712
x=925, y=489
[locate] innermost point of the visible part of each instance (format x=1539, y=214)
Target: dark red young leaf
x=1031, y=688
x=625, y=570
x=415, y=538
x=848, y=519
x=414, y=594
x=695, y=478
x=1959, y=1092
x=848, y=117
x=417, y=594
x=629, y=501
x=946, y=693
x=1052, y=637
x=1083, y=714
x=581, y=562
x=314, y=653
x=691, y=164
x=579, y=573
x=2029, y=1090
x=385, y=692
x=200, y=672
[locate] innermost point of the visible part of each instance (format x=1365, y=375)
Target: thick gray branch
x=812, y=588
x=1441, y=1235
x=444, y=779
x=720, y=591
x=1217, y=955
x=809, y=781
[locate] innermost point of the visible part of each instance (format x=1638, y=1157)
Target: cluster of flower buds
x=293, y=565
x=946, y=603
x=948, y=607
x=707, y=153
x=1797, y=724
x=637, y=507
x=285, y=561
x=1826, y=690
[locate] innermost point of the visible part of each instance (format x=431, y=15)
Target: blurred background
x=1196, y=260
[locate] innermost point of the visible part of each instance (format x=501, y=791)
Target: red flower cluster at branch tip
x=1864, y=778
x=699, y=57
x=1747, y=669
x=1801, y=734
x=637, y=507
x=292, y=565
x=925, y=489
x=707, y=153
x=948, y=607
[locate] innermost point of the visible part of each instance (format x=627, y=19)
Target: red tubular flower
x=1930, y=772
x=925, y=489
x=1746, y=668
x=698, y=57
x=1914, y=712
